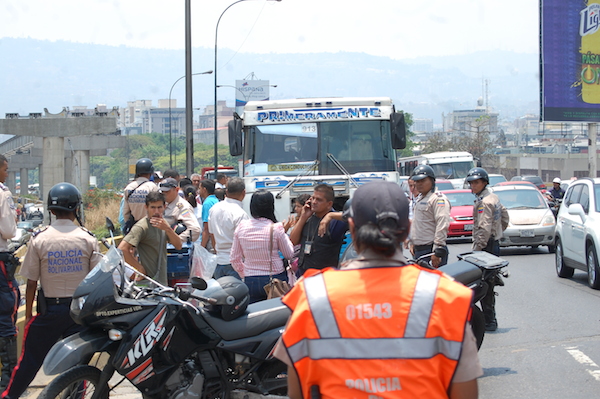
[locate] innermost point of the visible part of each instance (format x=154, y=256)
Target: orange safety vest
x=376, y=332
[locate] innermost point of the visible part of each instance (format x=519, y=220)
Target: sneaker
x=493, y=326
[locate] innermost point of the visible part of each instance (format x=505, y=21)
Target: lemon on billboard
x=590, y=52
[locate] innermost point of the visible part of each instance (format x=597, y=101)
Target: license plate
x=468, y=227
x=526, y=233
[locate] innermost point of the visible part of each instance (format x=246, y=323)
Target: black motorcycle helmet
x=232, y=301
x=65, y=197
x=476, y=174
x=144, y=166
x=421, y=172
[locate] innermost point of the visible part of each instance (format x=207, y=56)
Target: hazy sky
x=394, y=28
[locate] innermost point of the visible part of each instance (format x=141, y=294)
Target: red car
x=461, y=213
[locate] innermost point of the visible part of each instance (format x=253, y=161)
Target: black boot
x=488, y=305
x=8, y=357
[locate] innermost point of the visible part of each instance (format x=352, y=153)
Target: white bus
x=452, y=166
x=289, y=146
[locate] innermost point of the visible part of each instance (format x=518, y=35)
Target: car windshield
x=521, y=199
x=460, y=199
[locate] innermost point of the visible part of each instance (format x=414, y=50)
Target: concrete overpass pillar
x=83, y=160
x=24, y=177
x=11, y=180
x=69, y=169
x=54, y=164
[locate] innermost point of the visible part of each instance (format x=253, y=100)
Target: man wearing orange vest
x=379, y=327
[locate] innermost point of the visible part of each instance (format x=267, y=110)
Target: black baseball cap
x=377, y=201
x=167, y=184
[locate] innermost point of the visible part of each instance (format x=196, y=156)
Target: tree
x=475, y=138
x=437, y=142
x=112, y=170
x=410, y=145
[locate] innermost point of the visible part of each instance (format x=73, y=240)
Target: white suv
x=578, y=231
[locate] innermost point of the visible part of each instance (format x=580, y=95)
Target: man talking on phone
x=318, y=252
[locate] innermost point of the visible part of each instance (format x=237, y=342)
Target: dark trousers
x=421, y=250
x=41, y=333
x=256, y=285
x=8, y=356
x=488, y=302
x=225, y=270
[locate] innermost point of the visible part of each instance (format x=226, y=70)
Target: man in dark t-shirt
x=318, y=252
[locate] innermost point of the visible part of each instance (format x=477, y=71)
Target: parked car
x=26, y=225
x=539, y=183
x=36, y=218
x=461, y=212
x=578, y=231
x=21, y=238
x=532, y=222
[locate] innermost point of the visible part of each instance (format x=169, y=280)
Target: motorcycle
x=477, y=270
x=168, y=342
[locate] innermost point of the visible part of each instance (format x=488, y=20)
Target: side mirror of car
x=577, y=210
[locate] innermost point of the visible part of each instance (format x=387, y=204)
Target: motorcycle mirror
x=110, y=226
x=198, y=283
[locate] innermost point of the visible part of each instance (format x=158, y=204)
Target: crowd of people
x=340, y=312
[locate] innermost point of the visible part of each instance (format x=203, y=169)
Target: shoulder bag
x=275, y=288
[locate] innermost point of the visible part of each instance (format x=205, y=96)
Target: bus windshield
x=452, y=170
x=360, y=146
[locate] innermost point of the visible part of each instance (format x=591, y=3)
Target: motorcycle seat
x=462, y=271
x=260, y=317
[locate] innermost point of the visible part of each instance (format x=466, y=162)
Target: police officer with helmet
x=490, y=219
x=59, y=256
x=431, y=218
x=134, y=198
x=347, y=320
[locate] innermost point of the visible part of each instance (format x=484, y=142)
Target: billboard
x=570, y=60
x=250, y=90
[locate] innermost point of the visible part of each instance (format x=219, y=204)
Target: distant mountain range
x=37, y=74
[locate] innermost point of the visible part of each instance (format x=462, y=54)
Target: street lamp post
x=216, y=86
x=170, y=120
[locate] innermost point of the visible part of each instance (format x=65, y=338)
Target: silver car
x=532, y=222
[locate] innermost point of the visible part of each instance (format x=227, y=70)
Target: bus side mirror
x=235, y=137
x=398, y=128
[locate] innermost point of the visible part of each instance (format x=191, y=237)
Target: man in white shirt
x=223, y=219
x=179, y=210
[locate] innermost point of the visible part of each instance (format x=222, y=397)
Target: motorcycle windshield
x=107, y=264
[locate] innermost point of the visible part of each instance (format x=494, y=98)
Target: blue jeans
x=225, y=270
x=256, y=285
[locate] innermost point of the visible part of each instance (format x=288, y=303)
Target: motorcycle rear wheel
x=80, y=382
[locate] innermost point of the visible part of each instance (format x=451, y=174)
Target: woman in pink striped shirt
x=250, y=255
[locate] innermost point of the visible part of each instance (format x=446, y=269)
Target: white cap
x=556, y=180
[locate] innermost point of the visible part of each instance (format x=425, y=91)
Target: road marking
x=585, y=361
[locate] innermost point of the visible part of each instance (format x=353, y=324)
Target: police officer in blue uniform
x=9, y=289
x=59, y=256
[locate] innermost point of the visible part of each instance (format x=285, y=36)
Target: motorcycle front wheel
x=77, y=383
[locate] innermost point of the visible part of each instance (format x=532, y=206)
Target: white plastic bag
x=203, y=262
